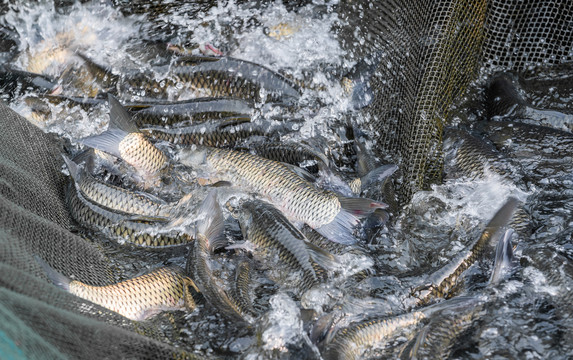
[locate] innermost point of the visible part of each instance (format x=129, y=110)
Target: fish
x=16, y=82
x=357, y=81
x=206, y=76
x=294, y=153
x=240, y=291
x=269, y=230
x=526, y=141
x=139, y=231
x=125, y=141
x=473, y=157
x=351, y=341
x=210, y=236
x=436, y=339
x=443, y=281
x=227, y=76
x=220, y=133
x=188, y=112
x=138, y=298
x=331, y=214
x=118, y=199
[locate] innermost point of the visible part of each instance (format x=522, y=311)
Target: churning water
x=527, y=315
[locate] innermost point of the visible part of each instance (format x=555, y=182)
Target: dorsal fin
x=119, y=118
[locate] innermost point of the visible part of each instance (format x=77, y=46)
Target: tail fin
x=503, y=257
x=119, y=118
x=120, y=125
x=55, y=277
x=211, y=222
x=73, y=168
x=341, y=228
x=379, y=174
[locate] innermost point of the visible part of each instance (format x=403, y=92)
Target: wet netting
x=430, y=52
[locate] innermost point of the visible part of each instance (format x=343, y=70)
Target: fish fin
x=119, y=118
x=73, y=168
x=300, y=172
x=341, y=228
x=322, y=257
x=55, y=277
x=379, y=174
x=211, y=222
x=87, y=158
x=360, y=206
x=108, y=141
x=503, y=257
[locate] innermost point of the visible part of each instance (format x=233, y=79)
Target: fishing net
x=431, y=51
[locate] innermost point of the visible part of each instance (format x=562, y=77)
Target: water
x=528, y=315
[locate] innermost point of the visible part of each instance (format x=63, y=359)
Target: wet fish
x=123, y=229
x=294, y=153
x=115, y=198
x=226, y=76
x=206, y=76
x=241, y=292
x=473, y=156
x=210, y=236
x=334, y=216
x=436, y=339
x=528, y=141
x=218, y=133
x=441, y=283
x=139, y=298
x=189, y=112
x=350, y=342
x=15, y=82
x=123, y=139
x=266, y=227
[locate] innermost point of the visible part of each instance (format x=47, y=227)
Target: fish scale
x=298, y=198
x=116, y=198
x=351, y=341
x=142, y=296
x=267, y=228
x=136, y=150
x=198, y=136
x=119, y=227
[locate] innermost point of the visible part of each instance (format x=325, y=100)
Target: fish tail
x=73, y=168
x=322, y=260
x=55, y=277
x=120, y=125
x=341, y=228
x=211, y=222
x=379, y=174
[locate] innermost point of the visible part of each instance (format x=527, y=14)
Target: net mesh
x=431, y=51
